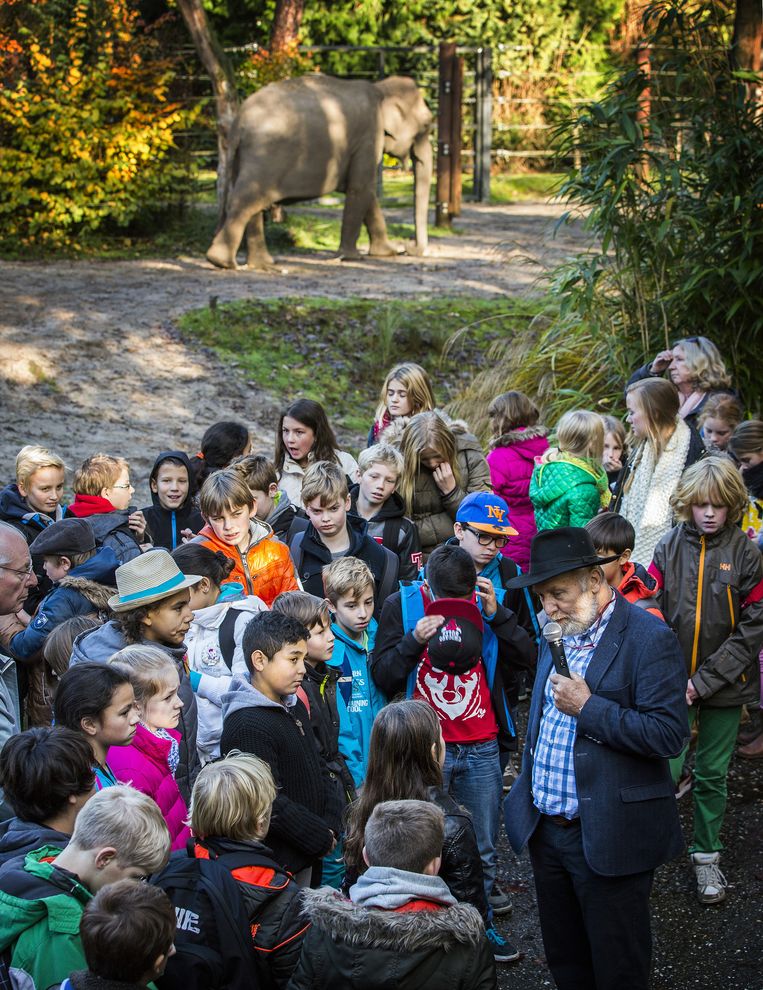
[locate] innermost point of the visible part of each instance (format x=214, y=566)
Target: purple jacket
x=143, y=764
x=511, y=463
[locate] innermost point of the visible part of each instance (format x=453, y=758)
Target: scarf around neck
x=646, y=504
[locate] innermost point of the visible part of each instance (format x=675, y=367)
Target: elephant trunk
x=421, y=157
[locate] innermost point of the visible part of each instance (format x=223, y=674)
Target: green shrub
x=87, y=125
x=678, y=214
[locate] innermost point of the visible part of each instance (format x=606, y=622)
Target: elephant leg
x=355, y=206
x=225, y=245
x=380, y=246
x=257, y=255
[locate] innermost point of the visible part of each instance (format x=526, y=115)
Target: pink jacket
x=511, y=463
x=143, y=764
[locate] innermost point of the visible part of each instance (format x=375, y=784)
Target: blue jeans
x=472, y=775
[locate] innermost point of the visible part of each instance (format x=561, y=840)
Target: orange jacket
x=265, y=569
x=634, y=589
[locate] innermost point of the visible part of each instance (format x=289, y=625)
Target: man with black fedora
x=595, y=802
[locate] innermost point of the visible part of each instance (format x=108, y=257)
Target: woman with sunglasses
x=696, y=368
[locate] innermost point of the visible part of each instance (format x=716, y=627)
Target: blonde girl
x=569, y=485
x=720, y=416
x=406, y=391
x=150, y=760
x=710, y=581
x=442, y=463
x=662, y=447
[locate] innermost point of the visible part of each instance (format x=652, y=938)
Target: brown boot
x=753, y=750
x=752, y=728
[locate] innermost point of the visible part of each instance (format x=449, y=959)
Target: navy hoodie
x=166, y=525
x=310, y=555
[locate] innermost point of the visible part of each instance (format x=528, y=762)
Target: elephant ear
x=394, y=116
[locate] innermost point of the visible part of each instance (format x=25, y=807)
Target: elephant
x=305, y=137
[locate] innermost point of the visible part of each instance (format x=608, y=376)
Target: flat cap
x=67, y=537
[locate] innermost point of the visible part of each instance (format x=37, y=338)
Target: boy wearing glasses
x=425, y=647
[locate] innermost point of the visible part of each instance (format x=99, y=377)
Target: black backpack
x=213, y=940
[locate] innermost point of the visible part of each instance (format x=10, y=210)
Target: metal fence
x=506, y=121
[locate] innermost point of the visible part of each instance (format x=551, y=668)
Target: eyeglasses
x=485, y=539
x=128, y=485
x=15, y=570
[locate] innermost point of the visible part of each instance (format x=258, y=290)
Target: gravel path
x=90, y=361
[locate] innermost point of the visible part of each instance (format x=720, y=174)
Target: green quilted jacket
x=567, y=492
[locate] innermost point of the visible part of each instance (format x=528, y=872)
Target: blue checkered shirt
x=553, y=784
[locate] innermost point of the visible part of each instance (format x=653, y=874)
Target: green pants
x=716, y=737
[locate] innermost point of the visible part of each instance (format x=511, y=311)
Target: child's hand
x=691, y=693
x=137, y=523
x=444, y=478
x=486, y=592
x=187, y=535
x=612, y=462
x=426, y=627
x=661, y=362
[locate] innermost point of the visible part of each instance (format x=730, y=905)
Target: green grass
x=339, y=351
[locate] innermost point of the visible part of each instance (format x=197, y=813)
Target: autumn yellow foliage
x=87, y=122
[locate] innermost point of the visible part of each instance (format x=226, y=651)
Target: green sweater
x=567, y=492
x=42, y=931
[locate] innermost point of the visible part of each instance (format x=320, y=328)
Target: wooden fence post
x=444, y=134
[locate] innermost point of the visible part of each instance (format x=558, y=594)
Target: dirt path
x=90, y=361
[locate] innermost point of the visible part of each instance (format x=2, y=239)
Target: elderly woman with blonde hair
x=696, y=368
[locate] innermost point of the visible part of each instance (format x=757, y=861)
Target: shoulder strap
x=389, y=575
x=296, y=551
x=412, y=604
x=390, y=533
x=226, y=637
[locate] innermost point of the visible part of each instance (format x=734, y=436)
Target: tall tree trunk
x=286, y=23
x=223, y=86
x=747, y=43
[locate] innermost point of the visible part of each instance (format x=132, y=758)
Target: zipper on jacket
x=731, y=607
x=245, y=569
x=298, y=723
x=698, y=609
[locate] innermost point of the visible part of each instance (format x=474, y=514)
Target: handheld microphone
x=552, y=632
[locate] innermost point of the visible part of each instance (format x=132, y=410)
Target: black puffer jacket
x=461, y=866
x=355, y=948
x=319, y=685
x=271, y=897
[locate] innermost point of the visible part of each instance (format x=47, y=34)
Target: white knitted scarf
x=646, y=504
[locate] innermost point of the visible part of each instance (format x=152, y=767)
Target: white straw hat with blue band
x=149, y=578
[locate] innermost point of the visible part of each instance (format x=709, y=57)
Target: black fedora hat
x=557, y=551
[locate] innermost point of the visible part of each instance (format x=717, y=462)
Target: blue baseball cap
x=487, y=512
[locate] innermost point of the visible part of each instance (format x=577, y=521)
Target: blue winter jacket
x=85, y=590
x=362, y=699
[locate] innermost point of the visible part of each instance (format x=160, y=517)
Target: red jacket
x=634, y=588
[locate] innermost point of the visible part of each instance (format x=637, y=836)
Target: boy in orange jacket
x=262, y=565
x=613, y=534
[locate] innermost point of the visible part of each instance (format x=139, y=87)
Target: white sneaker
x=711, y=883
